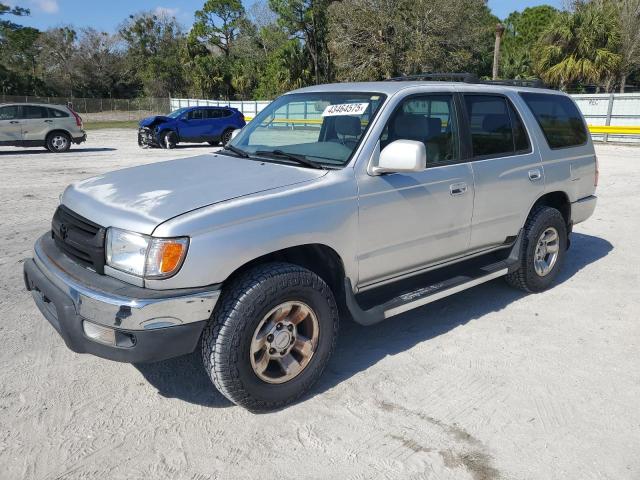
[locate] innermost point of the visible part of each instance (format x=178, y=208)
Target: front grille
x=79, y=238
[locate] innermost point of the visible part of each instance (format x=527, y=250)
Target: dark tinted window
x=226, y=113
x=520, y=138
x=8, y=113
x=429, y=119
x=30, y=112
x=196, y=114
x=490, y=125
x=55, y=113
x=558, y=118
x=213, y=113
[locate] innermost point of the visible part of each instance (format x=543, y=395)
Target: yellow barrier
x=615, y=129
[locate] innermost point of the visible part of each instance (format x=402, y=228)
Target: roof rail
x=450, y=77
x=469, y=78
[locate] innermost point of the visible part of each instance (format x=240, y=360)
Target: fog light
x=98, y=333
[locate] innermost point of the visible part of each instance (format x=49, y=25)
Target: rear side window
x=31, y=111
x=55, y=113
x=559, y=119
x=226, y=113
x=496, y=128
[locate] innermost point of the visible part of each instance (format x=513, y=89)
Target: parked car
x=190, y=125
x=54, y=127
x=384, y=197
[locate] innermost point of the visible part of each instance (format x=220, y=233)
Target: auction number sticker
x=345, y=109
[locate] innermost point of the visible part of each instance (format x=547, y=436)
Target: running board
x=423, y=295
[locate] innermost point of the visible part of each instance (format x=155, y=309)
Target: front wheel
x=168, y=140
x=271, y=336
x=544, y=245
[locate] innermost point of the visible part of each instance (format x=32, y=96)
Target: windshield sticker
x=345, y=109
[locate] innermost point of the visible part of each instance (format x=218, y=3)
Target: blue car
x=190, y=125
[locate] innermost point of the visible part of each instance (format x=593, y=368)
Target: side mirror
x=401, y=156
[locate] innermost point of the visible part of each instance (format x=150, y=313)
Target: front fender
x=227, y=235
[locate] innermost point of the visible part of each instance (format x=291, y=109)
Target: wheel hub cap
x=546, y=254
x=284, y=342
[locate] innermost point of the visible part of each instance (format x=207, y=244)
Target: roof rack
x=469, y=78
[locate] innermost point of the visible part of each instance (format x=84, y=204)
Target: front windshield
x=325, y=127
x=177, y=113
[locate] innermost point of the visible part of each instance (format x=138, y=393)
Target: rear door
x=10, y=124
x=507, y=171
x=35, y=123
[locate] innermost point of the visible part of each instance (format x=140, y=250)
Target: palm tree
x=581, y=46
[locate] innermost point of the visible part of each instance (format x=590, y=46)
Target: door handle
x=14, y=121
x=458, y=189
x=48, y=121
x=535, y=175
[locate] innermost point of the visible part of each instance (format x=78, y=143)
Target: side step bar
x=429, y=293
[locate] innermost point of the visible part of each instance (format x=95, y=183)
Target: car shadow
x=45, y=151
x=360, y=347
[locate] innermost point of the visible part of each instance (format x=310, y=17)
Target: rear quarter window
x=55, y=113
x=559, y=119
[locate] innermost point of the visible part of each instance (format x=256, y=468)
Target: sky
x=107, y=15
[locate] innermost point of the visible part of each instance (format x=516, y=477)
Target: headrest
x=495, y=123
x=410, y=127
x=348, y=125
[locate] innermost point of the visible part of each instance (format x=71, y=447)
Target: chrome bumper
x=113, y=303
x=583, y=209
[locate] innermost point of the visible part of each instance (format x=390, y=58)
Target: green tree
x=629, y=22
x=306, y=20
x=153, y=60
x=218, y=24
x=376, y=39
x=523, y=30
x=581, y=47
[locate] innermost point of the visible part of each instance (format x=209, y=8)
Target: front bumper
x=149, y=325
x=146, y=137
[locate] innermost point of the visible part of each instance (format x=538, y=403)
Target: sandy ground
x=489, y=384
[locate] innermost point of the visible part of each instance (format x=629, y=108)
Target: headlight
x=143, y=255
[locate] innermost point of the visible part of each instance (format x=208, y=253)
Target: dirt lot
x=489, y=384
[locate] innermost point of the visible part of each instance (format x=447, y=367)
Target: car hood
x=141, y=198
x=156, y=119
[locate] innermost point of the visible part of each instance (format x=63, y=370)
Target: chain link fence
x=102, y=109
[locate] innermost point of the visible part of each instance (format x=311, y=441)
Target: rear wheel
x=544, y=244
x=168, y=140
x=58, y=142
x=271, y=336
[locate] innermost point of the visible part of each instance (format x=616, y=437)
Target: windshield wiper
x=301, y=159
x=236, y=150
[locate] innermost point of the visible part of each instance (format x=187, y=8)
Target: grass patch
x=111, y=124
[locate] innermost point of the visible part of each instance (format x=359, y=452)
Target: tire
x=168, y=140
x=532, y=275
x=251, y=303
x=58, y=142
x=226, y=136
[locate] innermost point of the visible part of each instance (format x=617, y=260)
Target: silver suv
x=54, y=127
x=361, y=200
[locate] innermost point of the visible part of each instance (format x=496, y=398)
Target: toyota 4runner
x=360, y=200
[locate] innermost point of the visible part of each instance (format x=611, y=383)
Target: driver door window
x=430, y=119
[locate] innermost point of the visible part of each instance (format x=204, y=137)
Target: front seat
x=348, y=130
x=408, y=126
